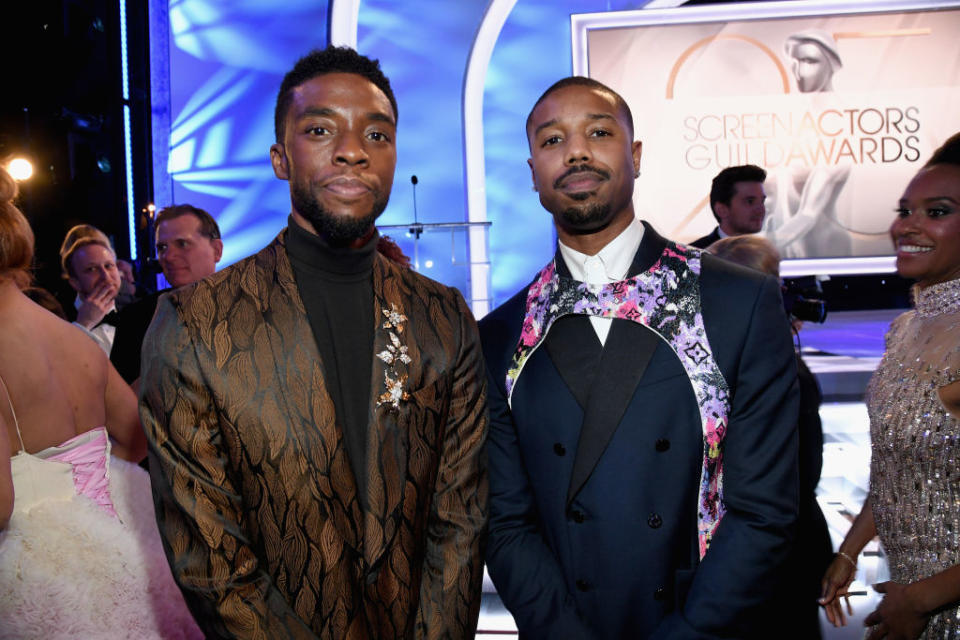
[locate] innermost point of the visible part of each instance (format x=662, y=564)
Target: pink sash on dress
x=89, y=455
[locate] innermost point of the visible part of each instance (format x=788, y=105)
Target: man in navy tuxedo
x=642, y=446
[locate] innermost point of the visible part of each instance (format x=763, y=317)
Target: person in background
x=188, y=249
x=812, y=549
x=90, y=266
x=913, y=400
x=128, y=285
x=737, y=201
x=80, y=556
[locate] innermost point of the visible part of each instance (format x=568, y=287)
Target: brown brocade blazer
x=256, y=500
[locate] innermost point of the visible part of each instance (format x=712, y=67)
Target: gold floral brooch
x=393, y=355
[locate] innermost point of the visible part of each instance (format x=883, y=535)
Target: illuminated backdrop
x=225, y=60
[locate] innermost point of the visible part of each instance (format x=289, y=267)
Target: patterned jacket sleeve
x=452, y=576
x=198, y=503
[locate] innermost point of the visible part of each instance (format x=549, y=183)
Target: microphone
x=416, y=229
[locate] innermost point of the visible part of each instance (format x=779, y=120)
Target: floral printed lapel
x=666, y=299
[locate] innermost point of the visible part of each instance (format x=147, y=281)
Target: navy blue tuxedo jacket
x=594, y=472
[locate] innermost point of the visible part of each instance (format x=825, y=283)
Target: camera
x=801, y=299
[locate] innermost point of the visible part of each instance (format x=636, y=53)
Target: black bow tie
x=110, y=318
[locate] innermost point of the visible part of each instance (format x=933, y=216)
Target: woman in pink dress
x=80, y=556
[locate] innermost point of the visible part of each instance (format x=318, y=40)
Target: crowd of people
x=335, y=447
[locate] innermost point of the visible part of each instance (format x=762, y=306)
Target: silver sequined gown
x=915, y=442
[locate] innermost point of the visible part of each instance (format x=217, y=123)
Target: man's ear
x=217, y=249
x=721, y=211
x=278, y=158
x=75, y=284
x=533, y=174
x=637, y=151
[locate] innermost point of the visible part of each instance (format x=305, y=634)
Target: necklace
x=936, y=299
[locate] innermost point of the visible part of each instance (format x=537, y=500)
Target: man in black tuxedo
x=188, y=249
x=90, y=266
x=737, y=201
x=643, y=399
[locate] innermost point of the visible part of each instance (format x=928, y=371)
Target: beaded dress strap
x=14, y=413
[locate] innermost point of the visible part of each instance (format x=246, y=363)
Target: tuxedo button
x=654, y=521
x=660, y=593
x=583, y=585
x=559, y=449
x=662, y=444
x=577, y=516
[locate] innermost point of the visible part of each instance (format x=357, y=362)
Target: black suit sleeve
x=523, y=568
x=737, y=574
x=132, y=324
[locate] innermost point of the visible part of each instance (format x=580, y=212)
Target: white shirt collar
x=612, y=263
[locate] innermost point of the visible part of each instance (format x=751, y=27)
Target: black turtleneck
x=336, y=286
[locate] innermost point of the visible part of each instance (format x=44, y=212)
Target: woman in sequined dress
x=914, y=405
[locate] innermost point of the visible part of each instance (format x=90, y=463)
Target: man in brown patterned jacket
x=317, y=413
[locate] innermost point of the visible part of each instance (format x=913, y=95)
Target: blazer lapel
x=575, y=350
x=626, y=355
x=624, y=360
x=387, y=437
x=288, y=333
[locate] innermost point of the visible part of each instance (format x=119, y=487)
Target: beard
x=336, y=229
x=585, y=218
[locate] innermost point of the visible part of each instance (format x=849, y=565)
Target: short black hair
x=208, y=226
x=320, y=62
x=725, y=182
x=583, y=81
x=948, y=153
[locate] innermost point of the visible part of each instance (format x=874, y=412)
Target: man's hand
x=95, y=305
x=897, y=617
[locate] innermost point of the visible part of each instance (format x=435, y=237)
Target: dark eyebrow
x=325, y=112
x=591, y=116
x=316, y=111
x=378, y=116
x=601, y=116
x=950, y=199
x=540, y=127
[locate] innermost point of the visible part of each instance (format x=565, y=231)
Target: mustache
x=580, y=168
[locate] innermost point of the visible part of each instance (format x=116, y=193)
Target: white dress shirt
x=102, y=333
x=611, y=264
